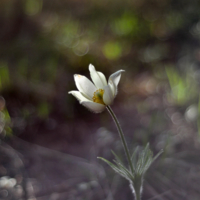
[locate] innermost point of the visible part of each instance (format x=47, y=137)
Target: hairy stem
x=137, y=184
x=137, y=195
x=121, y=136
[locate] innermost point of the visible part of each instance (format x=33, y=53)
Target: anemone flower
x=99, y=94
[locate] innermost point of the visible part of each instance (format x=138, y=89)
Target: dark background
x=49, y=142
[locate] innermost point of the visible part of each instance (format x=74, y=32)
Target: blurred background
x=49, y=143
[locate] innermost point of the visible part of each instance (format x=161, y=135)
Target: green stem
x=137, y=185
x=121, y=136
x=137, y=195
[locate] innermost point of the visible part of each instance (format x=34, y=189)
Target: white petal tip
x=77, y=76
x=91, y=66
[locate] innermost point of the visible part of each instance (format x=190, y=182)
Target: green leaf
x=125, y=171
x=115, y=168
x=157, y=155
x=121, y=166
x=145, y=159
x=117, y=158
x=134, y=158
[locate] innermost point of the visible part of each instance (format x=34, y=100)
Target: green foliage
x=5, y=125
x=4, y=75
x=141, y=161
x=181, y=86
x=175, y=20
x=127, y=24
x=43, y=110
x=72, y=28
x=33, y=7
x=23, y=67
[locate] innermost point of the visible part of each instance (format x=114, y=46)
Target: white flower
x=96, y=96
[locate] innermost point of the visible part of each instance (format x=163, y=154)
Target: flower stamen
x=98, y=96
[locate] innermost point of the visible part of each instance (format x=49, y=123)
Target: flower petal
x=113, y=88
x=115, y=77
x=94, y=107
x=85, y=86
x=78, y=95
x=108, y=95
x=114, y=80
x=103, y=78
x=98, y=78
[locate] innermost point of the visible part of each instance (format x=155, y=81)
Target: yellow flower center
x=98, y=96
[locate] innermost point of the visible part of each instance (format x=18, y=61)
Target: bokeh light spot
x=125, y=25
x=112, y=50
x=33, y=7
x=81, y=49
